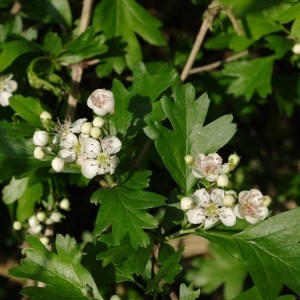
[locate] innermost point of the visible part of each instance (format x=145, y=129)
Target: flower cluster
x=7, y=87
x=44, y=217
x=85, y=144
x=213, y=204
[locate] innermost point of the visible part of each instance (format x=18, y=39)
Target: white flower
x=39, y=152
x=186, y=203
x=7, y=87
x=251, y=206
x=99, y=156
x=209, y=167
x=40, y=138
x=102, y=102
x=58, y=164
x=210, y=209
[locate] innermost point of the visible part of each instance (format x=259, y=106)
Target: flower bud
x=64, y=204
x=39, y=152
x=55, y=216
x=40, y=138
x=45, y=116
x=189, y=160
x=58, y=164
x=296, y=48
x=45, y=240
x=98, y=122
x=95, y=132
x=233, y=160
x=186, y=203
x=228, y=200
x=41, y=216
x=17, y=225
x=86, y=128
x=267, y=200
x=222, y=180
x=33, y=221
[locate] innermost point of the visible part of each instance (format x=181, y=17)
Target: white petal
x=197, y=172
x=68, y=140
x=111, y=144
x=89, y=168
x=217, y=196
x=91, y=147
x=251, y=220
x=10, y=86
x=209, y=222
x=4, y=98
x=196, y=215
x=263, y=212
x=201, y=197
x=68, y=155
x=238, y=211
x=227, y=216
x=75, y=127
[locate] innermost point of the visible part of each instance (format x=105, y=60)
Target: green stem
x=180, y=233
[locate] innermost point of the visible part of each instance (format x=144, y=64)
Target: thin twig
x=209, y=15
x=16, y=8
x=218, y=63
x=233, y=21
x=77, y=69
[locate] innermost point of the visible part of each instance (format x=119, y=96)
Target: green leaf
x=167, y=271
x=12, y=50
x=16, y=154
x=188, y=136
x=137, y=106
x=138, y=180
x=121, y=206
x=65, y=277
x=14, y=190
x=216, y=270
x=188, y=293
x=48, y=11
x=248, y=82
x=27, y=201
x=126, y=19
x=53, y=43
x=271, y=252
x=280, y=44
x=28, y=108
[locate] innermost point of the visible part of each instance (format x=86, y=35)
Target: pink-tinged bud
x=102, y=102
x=40, y=138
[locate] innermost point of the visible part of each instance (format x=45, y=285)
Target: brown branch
x=77, y=69
x=218, y=63
x=209, y=15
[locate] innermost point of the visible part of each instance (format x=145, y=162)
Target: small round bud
x=267, y=200
x=39, y=152
x=296, y=48
x=40, y=138
x=233, y=160
x=228, y=200
x=58, y=164
x=95, y=132
x=33, y=221
x=98, y=122
x=41, y=216
x=45, y=116
x=45, y=240
x=55, y=216
x=186, y=203
x=189, y=160
x=222, y=180
x=17, y=225
x=86, y=128
x=114, y=297
x=64, y=204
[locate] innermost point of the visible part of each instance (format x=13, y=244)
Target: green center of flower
x=103, y=159
x=211, y=210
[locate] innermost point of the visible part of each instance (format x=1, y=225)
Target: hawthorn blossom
x=99, y=156
x=102, y=102
x=40, y=138
x=7, y=87
x=251, y=206
x=210, y=209
x=209, y=166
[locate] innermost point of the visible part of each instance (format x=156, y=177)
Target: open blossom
x=251, y=206
x=209, y=166
x=210, y=209
x=99, y=156
x=7, y=87
x=102, y=102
